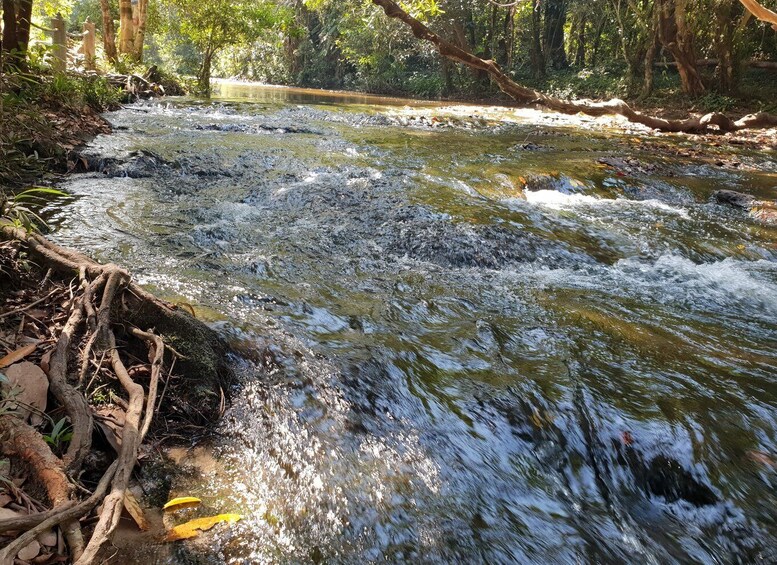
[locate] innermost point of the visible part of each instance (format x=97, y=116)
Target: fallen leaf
x=182, y=501
x=28, y=386
x=5, y=499
x=45, y=361
x=48, y=538
x=17, y=355
x=110, y=420
x=133, y=507
x=29, y=551
x=7, y=514
x=192, y=529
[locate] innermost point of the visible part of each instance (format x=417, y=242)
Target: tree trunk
x=537, y=56
x=728, y=64
x=597, y=41
x=140, y=30
x=23, y=18
x=582, y=22
x=109, y=33
x=10, y=39
x=676, y=37
x=555, y=20
x=509, y=36
x=650, y=58
x=203, y=77
x=126, y=28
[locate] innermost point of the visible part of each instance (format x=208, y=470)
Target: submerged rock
x=763, y=211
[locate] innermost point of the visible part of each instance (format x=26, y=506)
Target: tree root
x=105, y=296
x=713, y=122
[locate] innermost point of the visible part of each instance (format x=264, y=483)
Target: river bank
x=96, y=373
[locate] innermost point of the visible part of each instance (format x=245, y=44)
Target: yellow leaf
x=183, y=501
x=133, y=507
x=17, y=355
x=192, y=529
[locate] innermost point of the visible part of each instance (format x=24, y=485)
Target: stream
x=467, y=334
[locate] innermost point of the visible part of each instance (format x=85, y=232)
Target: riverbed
x=466, y=334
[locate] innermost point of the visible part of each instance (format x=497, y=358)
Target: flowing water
x=469, y=335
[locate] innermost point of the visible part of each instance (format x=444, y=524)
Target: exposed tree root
x=105, y=301
x=713, y=122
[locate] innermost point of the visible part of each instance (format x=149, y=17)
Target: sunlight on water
x=465, y=334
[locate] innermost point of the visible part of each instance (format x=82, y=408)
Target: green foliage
x=61, y=432
x=17, y=210
x=211, y=26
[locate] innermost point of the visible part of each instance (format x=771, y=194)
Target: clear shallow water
x=443, y=367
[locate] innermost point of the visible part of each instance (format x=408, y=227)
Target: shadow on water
x=467, y=335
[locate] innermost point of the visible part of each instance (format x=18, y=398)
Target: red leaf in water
x=627, y=438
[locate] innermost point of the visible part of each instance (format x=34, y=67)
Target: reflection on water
x=466, y=336
x=236, y=90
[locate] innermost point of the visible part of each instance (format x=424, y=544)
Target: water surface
x=471, y=334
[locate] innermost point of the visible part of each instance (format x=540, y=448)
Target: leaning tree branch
x=762, y=13
x=710, y=122
x=72, y=513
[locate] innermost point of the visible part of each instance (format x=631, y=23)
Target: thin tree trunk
x=536, y=54
x=597, y=41
x=10, y=39
x=650, y=57
x=555, y=20
x=109, y=33
x=582, y=22
x=728, y=65
x=126, y=28
x=23, y=19
x=509, y=33
x=140, y=29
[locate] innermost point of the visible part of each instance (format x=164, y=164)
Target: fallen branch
x=714, y=122
x=63, y=515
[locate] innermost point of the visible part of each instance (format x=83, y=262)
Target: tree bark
x=126, y=28
x=10, y=40
x=555, y=20
x=203, y=78
x=719, y=122
x=23, y=18
x=582, y=22
x=650, y=58
x=763, y=14
x=537, y=55
x=728, y=62
x=677, y=38
x=140, y=30
x=109, y=32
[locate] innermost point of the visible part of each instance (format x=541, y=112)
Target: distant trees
x=345, y=43
x=214, y=25
x=132, y=29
